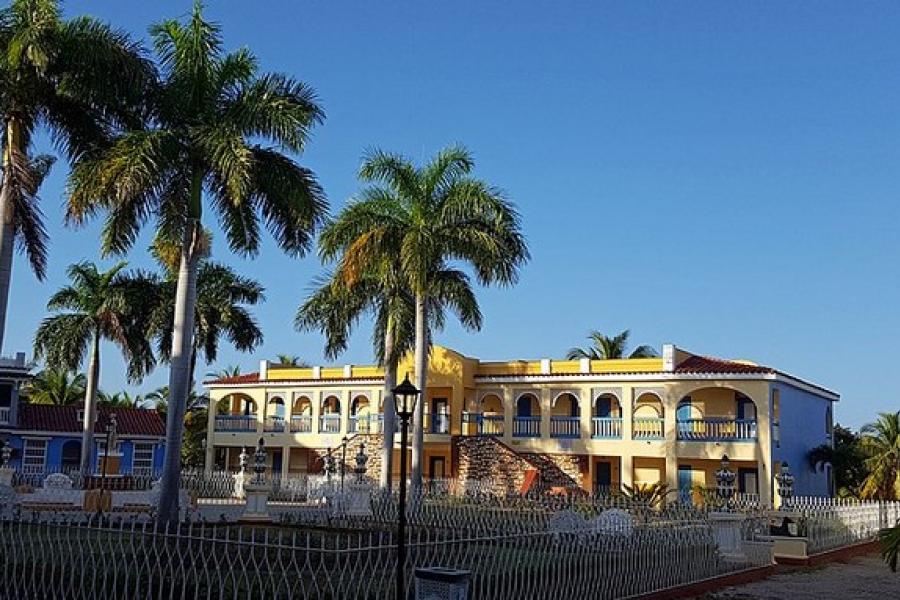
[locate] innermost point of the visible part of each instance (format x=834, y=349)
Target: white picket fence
x=830, y=523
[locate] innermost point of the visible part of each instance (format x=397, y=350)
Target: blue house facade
x=47, y=439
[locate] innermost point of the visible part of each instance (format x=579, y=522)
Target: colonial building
x=47, y=439
x=585, y=423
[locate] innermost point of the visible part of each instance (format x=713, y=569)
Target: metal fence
x=830, y=523
x=124, y=558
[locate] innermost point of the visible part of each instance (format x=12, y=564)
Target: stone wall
x=559, y=470
x=492, y=463
x=372, y=447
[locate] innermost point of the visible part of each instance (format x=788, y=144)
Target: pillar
x=509, y=411
x=210, y=457
x=545, y=398
x=626, y=470
x=285, y=461
x=670, y=428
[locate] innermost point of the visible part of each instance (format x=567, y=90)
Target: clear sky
x=722, y=176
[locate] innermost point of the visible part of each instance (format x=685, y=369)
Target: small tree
x=604, y=347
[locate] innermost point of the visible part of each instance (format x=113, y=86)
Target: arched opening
x=565, y=416
x=240, y=414
x=360, y=416
x=275, y=412
x=607, y=417
x=330, y=417
x=301, y=415
x=647, y=423
x=527, y=422
x=487, y=418
x=70, y=458
x=716, y=413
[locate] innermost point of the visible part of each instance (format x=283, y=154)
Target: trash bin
x=437, y=583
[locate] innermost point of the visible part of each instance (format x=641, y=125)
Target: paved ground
x=862, y=578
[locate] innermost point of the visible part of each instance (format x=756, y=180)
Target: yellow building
x=585, y=423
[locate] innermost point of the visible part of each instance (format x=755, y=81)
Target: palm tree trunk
x=421, y=367
x=7, y=228
x=90, y=405
x=180, y=369
x=389, y=410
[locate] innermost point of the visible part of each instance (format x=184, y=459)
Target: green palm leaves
x=604, y=347
x=397, y=247
x=880, y=443
x=54, y=75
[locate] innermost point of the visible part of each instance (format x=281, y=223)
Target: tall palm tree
x=54, y=76
x=426, y=216
x=210, y=112
x=290, y=360
x=96, y=306
x=880, y=443
x=220, y=311
x=56, y=386
x=334, y=308
x=604, y=347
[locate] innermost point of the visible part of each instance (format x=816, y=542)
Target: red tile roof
x=705, y=364
x=129, y=421
x=245, y=378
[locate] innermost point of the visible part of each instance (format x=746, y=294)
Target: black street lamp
x=344, y=443
x=111, y=440
x=405, y=397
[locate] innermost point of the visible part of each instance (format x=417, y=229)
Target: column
x=285, y=461
x=546, y=400
x=316, y=398
x=626, y=469
x=671, y=436
x=586, y=408
x=347, y=397
x=508, y=400
x=261, y=407
x=626, y=410
x=210, y=457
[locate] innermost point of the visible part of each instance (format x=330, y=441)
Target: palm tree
x=890, y=545
x=604, y=348
x=121, y=399
x=98, y=305
x=229, y=371
x=423, y=217
x=335, y=308
x=221, y=296
x=210, y=112
x=56, y=386
x=54, y=75
x=290, y=360
x=881, y=444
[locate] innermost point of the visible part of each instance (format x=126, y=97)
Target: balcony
x=301, y=424
x=717, y=430
x=235, y=423
x=274, y=425
x=606, y=428
x=565, y=427
x=366, y=423
x=330, y=423
x=4, y=415
x=484, y=424
x=437, y=423
x=648, y=428
x=529, y=427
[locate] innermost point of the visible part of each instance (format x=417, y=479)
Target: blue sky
x=722, y=176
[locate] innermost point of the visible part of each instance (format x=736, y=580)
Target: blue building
x=47, y=439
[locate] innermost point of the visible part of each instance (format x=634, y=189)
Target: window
x=80, y=415
x=34, y=455
x=142, y=463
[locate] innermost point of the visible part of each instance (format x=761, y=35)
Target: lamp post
x=111, y=440
x=725, y=481
x=785, y=482
x=344, y=441
x=406, y=395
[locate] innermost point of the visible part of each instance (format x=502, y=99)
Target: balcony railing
x=606, y=428
x=301, y=424
x=366, y=423
x=648, y=428
x=274, y=424
x=236, y=423
x=565, y=427
x=4, y=415
x=437, y=423
x=484, y=424
x=330, y=423
x=717, y=430
x=526, y=427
